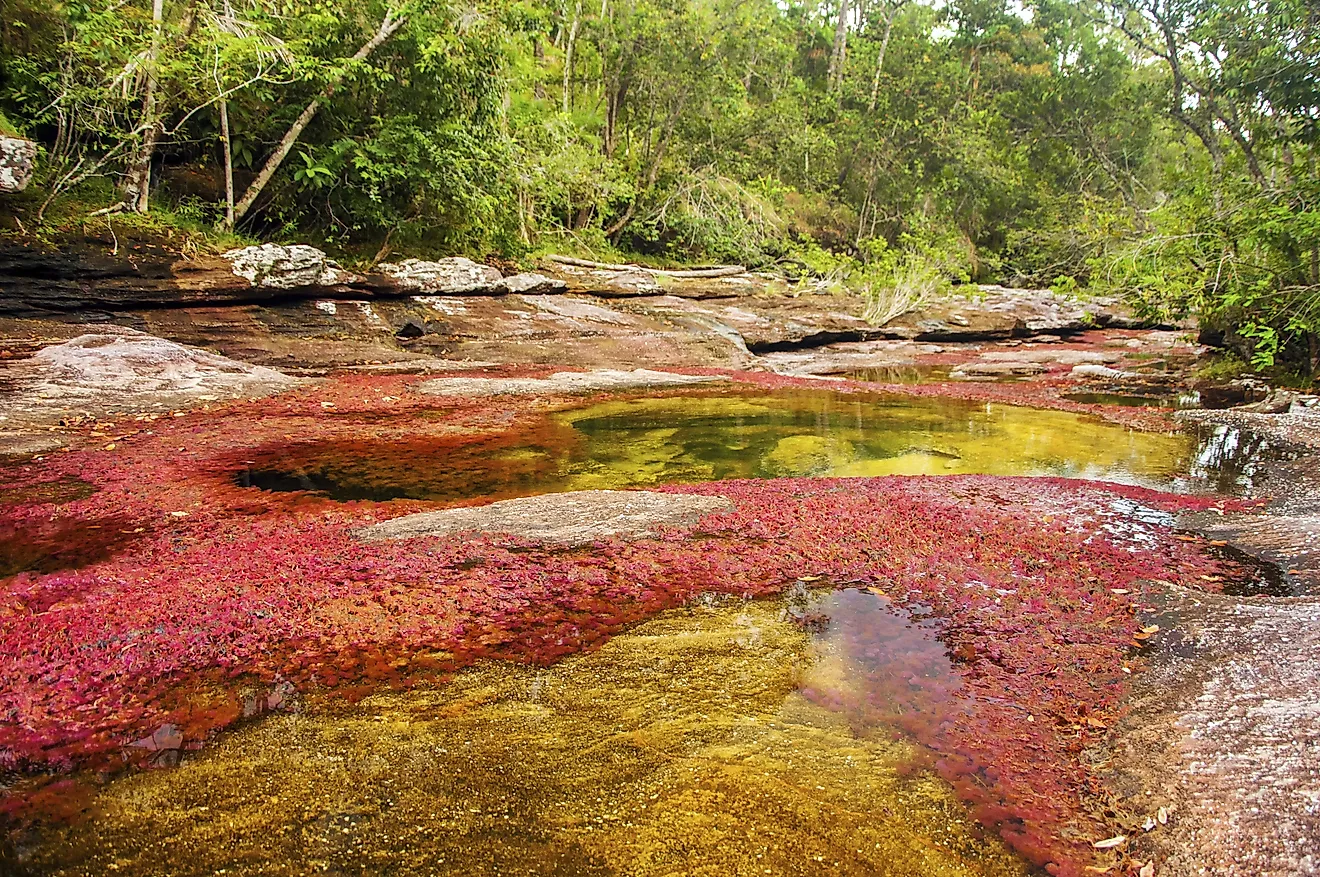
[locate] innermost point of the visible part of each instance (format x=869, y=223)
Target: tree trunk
x=388, y=27
x=538, y=52
x=840, y=48
x=569, y=46
x=137, y=183
x=654, y=173
x=880, y=58
x=227, y=146
x=616, y=96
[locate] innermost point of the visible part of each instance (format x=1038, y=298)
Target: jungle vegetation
x=1161, y=149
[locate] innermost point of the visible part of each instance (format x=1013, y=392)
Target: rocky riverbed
x=1131, y=709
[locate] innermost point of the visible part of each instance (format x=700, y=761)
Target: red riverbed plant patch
x=224, y=601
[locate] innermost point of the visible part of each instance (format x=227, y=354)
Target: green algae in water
x=685, y=746
x=703, y=437
x=700, y=438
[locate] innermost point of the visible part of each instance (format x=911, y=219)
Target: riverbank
x=128, y=444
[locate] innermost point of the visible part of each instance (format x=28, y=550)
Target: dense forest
x=1160, y=149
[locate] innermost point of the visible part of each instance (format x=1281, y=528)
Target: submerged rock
x=565, y=382
x=569, y=518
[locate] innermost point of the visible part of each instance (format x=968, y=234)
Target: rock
x=1305, y=405
x=297, y=266
x=1240, y=392
x=17, y=161
x=1222, y=722
x=453, y=276
x=1063, y=357
x=848, y=357
x=573, y=518
x=1000, y=369
x=124, y=370
x=84, y=275
x=613, y=283
x=538, y=284
x=1104, y=372
x=1276, y=401
x=565, y=382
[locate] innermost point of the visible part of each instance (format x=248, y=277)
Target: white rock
x=444, y=276
x=17, y=159
x=568, y=518
x=564, y=382
x=275, y=266
x=124, y=369
x=532, y=284
x=1091, y=370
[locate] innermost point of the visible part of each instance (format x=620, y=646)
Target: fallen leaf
x=110, y=447
x=1148, y=824
x=1110, y=842
x=1147, y=870
x=1162, y=816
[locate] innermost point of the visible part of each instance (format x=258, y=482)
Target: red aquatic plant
x=223, y=601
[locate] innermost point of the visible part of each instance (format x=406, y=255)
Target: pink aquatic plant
x=217, y=591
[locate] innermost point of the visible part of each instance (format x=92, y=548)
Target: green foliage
x=1090, y=145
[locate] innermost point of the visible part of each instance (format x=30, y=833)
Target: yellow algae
x=682, y=747
x=742, y=433
x=813, y=433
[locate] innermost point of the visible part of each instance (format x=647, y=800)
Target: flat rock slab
x=1224, y=732
x=124, y=370
x=566, y=382
x=574, y=518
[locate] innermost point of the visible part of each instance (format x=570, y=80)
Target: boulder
x=532, y=284
x=453, y=276
x=296, y=266
x=575, y=518
x=18, y=158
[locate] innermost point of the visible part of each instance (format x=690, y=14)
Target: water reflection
x=1134, y=400
x=1230, y=460
x=880, y=666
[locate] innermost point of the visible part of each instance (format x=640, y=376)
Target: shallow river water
x=700, y=742
x=705, y=437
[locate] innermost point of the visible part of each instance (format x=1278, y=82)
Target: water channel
x=727, y=737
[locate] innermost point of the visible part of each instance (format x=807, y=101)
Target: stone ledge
x=575, y=518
